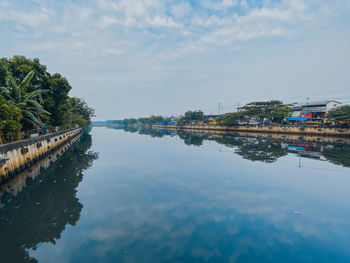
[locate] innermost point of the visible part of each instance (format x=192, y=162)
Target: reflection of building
x=306, y=150
x=313, y=109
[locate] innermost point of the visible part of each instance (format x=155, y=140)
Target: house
x=313, y=109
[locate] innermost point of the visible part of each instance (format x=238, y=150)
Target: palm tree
x=27, y=102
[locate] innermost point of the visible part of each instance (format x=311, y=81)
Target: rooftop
x=312, y=103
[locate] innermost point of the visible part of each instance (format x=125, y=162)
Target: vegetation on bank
x=341, y=113
x=258, y=112
x=272, y=111
x=32, y=99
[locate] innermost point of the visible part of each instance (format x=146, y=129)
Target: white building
x=313, y=109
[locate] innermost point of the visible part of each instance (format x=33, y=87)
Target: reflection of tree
x=255, y=149
x=152, y=133
x=261, y=148
x=129, y=129
x=265, y=152
x=191, y=139
x=43, y=209
x=339, y=154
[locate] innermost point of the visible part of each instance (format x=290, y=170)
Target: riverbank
x=278, y=129
x=16, y=156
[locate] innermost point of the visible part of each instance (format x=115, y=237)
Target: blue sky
x=134, y=58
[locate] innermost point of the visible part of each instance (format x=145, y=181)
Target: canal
x=160, y=196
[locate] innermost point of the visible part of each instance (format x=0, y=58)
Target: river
x=160, y=196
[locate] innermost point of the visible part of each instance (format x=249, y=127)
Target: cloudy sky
x=134, y=58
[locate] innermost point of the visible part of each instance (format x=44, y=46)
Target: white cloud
x=163, y=21
x=31, y=19
x=218, y=5
x=244, y=4
x=181, y=10
x=145, y=36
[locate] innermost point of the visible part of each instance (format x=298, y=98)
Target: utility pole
x=307, y=101
x=219, y=108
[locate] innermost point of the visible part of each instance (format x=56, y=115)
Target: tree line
x=273, y=111
x=31, y=99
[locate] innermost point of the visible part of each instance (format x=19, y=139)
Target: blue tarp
x=297, y=119
x=294, y=147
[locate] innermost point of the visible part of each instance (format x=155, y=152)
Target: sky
x=135, y=58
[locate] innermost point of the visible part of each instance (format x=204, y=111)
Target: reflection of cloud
x=214, y=211
x=248, y=222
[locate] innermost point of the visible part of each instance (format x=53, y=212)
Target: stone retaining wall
x=302, y=130
x=16, y=156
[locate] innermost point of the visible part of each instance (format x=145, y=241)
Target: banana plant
x=28, y=102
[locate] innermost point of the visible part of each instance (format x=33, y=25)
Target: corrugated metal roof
x=310, y=103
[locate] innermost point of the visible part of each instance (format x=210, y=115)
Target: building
x=313, y=109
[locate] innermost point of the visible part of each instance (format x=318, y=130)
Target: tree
x=340, y=114
x=54, y=100
x=231, y=119
x=127, y=122
x=78, y=113
x=10, y=119
x=151, y=120
x=28, y=102
x=280, y=113
x=273, y=110
x=20, y=66
x=191, y=116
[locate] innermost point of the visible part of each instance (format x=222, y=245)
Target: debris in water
x=296, y=212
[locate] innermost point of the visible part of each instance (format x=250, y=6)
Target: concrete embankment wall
x=16, y=184
x=302, y=130
x=16, y=156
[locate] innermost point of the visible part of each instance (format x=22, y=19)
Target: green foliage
x=151, y=120
x=280, y=113
x=340, y=114
x=28, y=102
x=273, y=110
x=10, y=117
x=40, y=96
x=129, y=121
x=191, y=116
x=231, y=119
x=79, y=113
x=56, y=99
x=194, y=115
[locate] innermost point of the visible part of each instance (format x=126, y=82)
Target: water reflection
x=266, y=148
x=38, y=204
x=157, y=200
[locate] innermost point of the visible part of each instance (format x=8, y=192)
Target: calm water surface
x=120, y=196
